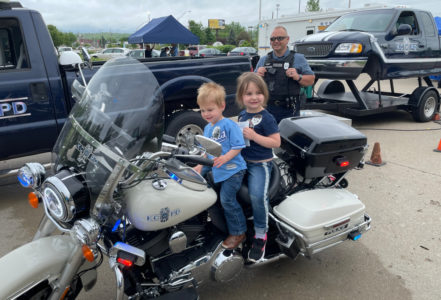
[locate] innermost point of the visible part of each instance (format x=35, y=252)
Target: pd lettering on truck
x=13, y=108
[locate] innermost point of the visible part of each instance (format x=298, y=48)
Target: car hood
x=336, y=36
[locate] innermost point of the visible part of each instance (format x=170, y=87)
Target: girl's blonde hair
x=242, y=84
x=211, y=92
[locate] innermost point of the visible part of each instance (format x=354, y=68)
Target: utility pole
x=299, y=6
x=277, y=9
x=349, y=4
x=260, y=10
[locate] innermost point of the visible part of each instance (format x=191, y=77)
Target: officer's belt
x=283, y=101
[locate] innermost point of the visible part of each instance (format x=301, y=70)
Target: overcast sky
x=128, y=15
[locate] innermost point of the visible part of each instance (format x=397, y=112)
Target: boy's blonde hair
x=242, y=84
x=211, y=92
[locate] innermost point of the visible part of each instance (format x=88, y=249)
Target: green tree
x=69, y=38
x=243, y=36
x=196, y=29
x=57, y=36
x=313, y=5
x=102, y=41
x=232, y=37
x=209, y=36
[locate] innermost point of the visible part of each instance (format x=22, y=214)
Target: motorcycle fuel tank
x=158, y=204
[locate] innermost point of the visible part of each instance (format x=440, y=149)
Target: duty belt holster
x=289, y=102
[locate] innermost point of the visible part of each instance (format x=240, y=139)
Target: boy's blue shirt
x=228, y=134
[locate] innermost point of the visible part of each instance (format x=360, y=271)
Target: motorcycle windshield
x=119, y=116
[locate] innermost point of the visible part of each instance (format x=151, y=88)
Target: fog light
x=31, y=175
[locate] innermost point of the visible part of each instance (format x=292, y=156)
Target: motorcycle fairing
x=32, y=263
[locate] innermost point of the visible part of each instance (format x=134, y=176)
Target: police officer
x=285, y=72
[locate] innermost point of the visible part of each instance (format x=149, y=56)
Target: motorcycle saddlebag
x=317, y=145
x=322, y=218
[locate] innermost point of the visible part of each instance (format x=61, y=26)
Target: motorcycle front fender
x=32, y=263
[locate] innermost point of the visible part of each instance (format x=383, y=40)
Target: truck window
x=13, y=54
x=428, y=26
x=408, y=17
x=363, y=21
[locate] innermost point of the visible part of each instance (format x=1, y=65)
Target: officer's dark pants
x=282, y=112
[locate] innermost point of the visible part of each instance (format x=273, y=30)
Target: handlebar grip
x=195, y=159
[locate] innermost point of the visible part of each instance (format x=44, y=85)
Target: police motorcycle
x=118, y=190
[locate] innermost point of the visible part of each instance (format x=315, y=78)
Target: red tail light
x=242, y=53
x=125, y=262
x=342, y=161
x=344, y=164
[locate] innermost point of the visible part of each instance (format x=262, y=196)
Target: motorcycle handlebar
x=195, y=159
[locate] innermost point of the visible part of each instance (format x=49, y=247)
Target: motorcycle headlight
x=65, y=196
x=57, y=198
x=349, y=48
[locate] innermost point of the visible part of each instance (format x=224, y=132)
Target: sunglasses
x=278, y=38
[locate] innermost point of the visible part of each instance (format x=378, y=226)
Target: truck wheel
x=183, y=122
x=426, y=109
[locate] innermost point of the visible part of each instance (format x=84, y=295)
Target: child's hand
x=198, y=168
x=249, y=133
x=219, y=161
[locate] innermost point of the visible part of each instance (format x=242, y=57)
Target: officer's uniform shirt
x=300, y=63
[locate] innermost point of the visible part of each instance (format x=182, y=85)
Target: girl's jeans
x=259, y=175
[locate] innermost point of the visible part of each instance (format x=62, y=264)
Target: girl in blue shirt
x=263, y=135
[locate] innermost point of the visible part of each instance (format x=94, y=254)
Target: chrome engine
x=219, y=265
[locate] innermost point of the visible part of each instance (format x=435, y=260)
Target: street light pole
x=260, y=10
x=299, y=6
x=277, y=9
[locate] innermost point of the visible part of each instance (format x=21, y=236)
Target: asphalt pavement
x=399, y=258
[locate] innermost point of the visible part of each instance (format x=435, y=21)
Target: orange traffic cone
x=436, y=117
x=376, y=156
x=439, y=147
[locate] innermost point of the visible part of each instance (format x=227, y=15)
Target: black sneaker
x=257, y=251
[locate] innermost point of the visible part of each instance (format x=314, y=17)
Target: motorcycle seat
x=243, y=196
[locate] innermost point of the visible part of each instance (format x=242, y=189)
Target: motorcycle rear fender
x=39, y=260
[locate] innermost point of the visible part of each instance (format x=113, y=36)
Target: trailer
x=385, y=44
x=422, y=103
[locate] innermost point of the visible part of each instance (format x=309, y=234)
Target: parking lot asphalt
x=399, y=258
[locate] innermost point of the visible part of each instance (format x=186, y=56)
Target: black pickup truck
x=387, y=43
x=35, y=90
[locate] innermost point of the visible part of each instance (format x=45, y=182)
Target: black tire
x=426, y=109
x=185, y=121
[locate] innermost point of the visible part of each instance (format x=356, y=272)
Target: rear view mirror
x=210, y=146
x=404, y=29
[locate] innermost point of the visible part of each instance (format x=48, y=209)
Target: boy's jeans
x=234, y=216
x=259, y=175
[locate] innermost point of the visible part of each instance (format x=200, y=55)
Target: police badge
x=216, y=132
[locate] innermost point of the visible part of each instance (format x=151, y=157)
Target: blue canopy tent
x=438, y=24
x=164, y=30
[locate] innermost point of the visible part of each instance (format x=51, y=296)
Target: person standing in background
x=284, y=72
x=174, y=50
